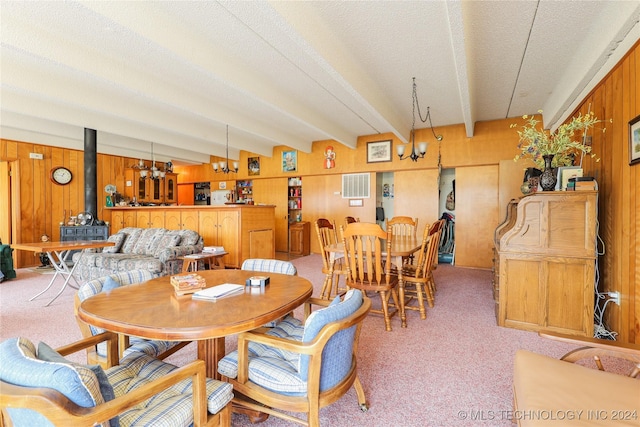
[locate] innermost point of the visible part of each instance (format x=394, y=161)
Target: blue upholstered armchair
x=98, y=354
x=300, y=367
x=39, y=387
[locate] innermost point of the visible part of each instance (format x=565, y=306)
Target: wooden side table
x=213, y=260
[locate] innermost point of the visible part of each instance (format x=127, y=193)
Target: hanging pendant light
x=224, y=166
x=421, y=150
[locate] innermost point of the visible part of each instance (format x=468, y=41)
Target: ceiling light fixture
x=422, y=146
x=153, y=172
x=224, y=166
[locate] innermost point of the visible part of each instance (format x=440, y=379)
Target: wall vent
x=355, y=185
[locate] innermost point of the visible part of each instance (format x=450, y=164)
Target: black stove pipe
x=90, y=172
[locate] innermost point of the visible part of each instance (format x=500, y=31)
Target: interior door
x=5, y=208
x=476, y=215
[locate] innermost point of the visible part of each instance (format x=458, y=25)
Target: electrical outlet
x=615, y=297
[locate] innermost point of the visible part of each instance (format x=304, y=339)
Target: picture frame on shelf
x=634, y=141
x=289, y=161
x=379, y=151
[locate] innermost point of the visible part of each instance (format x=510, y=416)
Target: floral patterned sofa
x=153, y=249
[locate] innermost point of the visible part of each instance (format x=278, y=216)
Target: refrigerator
x=220, y=197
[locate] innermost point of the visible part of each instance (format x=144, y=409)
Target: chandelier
x=224, y=166
x=153, y=172
x=421, y=150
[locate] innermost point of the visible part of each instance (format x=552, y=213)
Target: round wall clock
x=61, y=175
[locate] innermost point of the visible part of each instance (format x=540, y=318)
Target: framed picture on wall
x=379, y=151
x=289, y=161
x=254, y=166
x=634, y=141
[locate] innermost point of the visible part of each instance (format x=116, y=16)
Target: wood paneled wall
x=617, y=98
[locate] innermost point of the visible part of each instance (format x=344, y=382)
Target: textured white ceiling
x=175, y=73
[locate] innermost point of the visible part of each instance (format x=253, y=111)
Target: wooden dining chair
x=350, y=220
x=367, y=268
x=416, y=286
x=403, y=226
x=433, y=253
x=328, y=235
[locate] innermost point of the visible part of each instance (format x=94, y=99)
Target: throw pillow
x=46, y=353
x=118, y=239
x=165, y=241
x=21, y=366
x=109, y=284
x=145, y=238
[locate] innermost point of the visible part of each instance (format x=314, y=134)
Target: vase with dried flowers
x=563, y=145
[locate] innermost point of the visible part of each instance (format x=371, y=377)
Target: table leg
x=60, y=265
x=403, y=314
x=211, y=351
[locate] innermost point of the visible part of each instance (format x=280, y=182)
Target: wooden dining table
x=152, y=310
x=401, y=247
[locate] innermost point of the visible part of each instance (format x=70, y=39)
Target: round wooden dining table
x=152, y=310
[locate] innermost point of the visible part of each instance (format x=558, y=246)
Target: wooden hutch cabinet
x=147, y=190
x=544, y=263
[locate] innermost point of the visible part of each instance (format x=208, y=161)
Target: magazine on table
x=214, y=293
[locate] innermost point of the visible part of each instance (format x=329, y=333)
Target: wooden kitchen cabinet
x=544, y=263
x=183, y=219
x=150, y=219
x=220, y=228
x=171, y=188
x=299, y=238
x=121, y=219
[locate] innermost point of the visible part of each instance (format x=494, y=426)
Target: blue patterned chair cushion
x=171, y=407
x=106, y=390
x=118, y=239
x=94, y=287
x=21, y=366
x=269, y=266
x=286, y=372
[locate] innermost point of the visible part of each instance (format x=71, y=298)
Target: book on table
x=217, y=292
x=187, y=283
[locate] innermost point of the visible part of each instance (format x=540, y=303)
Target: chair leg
x=420, y=288
x=430, y=290
x=362, y=400
x=326, y=286
x=313, y=417
x=385, y=309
